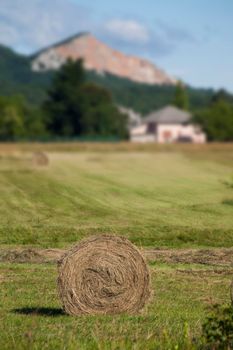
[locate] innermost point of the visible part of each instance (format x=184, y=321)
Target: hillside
x=145, y=98
x=16, y=77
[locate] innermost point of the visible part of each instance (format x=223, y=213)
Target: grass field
x=31, y=317
x=154, y=198
x=158, y=197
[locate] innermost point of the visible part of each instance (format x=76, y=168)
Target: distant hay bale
x=40, y=159
x=103, y=275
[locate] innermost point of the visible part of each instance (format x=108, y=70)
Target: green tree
x=63, y=106
x=78, y=108
x=11, y=123
x=217, y=121
x=18, y=120
x=222, y=95
x=11, y=118
x=34, y=123
x=100, y=116
x=181, y=99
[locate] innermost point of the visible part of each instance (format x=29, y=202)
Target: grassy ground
x=157, y=197
x=154, y=198
x=31, y=318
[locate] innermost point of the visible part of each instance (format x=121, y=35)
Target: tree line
x=76, y=107
x=216, y=119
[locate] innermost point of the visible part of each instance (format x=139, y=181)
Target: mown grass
x=31, y=317
x=173, y=196
x=171, y=199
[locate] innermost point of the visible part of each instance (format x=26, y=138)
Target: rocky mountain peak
x=101, y=58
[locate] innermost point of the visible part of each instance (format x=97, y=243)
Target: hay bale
x=40, y=159
x=103, y=275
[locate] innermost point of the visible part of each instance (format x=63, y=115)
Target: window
x=151, y=128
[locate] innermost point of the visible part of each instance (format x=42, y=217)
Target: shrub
x=218, y=329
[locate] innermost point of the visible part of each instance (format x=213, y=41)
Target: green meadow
x=157, y=197
x=31, y=317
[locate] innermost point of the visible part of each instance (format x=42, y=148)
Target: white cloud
x=128, y=30
x=29, y=25
x=32, y=24
x=135, y=37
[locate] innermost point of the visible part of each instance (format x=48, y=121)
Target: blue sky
x=190, y=39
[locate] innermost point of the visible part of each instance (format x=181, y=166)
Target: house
x=168, y=125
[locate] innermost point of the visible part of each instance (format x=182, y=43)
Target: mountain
x=17, y=77
x=100, y=58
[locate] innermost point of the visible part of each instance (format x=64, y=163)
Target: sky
x=189, y=39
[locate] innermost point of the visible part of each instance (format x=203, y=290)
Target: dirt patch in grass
x=30, y=255
x=215, y=257
x=205, y=273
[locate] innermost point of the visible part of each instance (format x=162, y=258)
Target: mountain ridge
x=100, y=58
x=60, y=42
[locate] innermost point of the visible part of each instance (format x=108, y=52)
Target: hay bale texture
x=40, y=159
x=103, y=275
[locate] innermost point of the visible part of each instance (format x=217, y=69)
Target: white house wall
x=139, y=130
x=170, y=133
x=139, y=134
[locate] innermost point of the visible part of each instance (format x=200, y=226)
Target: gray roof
x=168, y=115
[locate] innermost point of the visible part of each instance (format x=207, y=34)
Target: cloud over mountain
x=128, y=31
x=30, y=25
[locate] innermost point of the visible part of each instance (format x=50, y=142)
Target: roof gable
x=169, y=115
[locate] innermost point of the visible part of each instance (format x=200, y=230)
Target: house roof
x=168, y=115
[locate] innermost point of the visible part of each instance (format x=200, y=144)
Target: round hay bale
x=103, y=275
x=40, y=159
